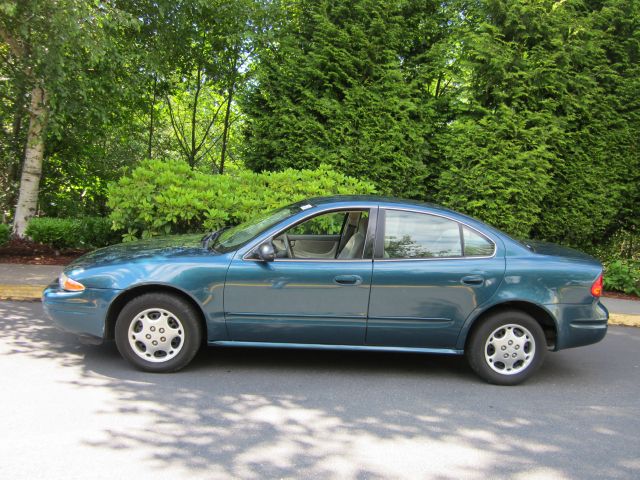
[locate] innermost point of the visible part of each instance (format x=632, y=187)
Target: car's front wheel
x=506, y=348
x=158, y=332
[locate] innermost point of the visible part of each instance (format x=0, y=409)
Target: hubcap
x=156, y=335
x=510, y=349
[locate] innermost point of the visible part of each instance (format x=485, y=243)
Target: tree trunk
x=225, y=131
x=194, y=119
x=151, y=114
x=32, y=167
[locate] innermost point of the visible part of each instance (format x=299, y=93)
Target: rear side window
x=476, y=245
x=420, y=235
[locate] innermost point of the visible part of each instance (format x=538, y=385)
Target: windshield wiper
x=211, y=237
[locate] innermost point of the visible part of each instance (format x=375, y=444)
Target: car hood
x=164, y=247
x=545, y=248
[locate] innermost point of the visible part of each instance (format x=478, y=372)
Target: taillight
x=596, y=288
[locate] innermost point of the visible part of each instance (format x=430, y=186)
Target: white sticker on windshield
x=305, y=207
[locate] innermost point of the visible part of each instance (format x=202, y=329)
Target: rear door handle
x=348, y=280
x=473, y=280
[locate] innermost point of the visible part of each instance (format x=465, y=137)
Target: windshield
x=237, y=236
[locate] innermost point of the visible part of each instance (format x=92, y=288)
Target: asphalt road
x=70, y=411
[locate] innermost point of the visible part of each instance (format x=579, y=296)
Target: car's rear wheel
x=158, y=332
x=506, y=348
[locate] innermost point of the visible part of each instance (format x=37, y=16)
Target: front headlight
x=69, y=285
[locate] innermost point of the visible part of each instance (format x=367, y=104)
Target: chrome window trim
x=461, y=257
x=334, y=260
x=313, y=214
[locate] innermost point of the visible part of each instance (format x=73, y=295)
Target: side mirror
x=266, y=252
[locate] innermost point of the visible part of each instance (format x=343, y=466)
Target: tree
x=546, y=136
x=197, y=57
x=331, y=88
x=52, y=47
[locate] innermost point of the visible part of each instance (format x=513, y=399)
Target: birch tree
x=51, y=46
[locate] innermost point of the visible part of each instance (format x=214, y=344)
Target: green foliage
x=523, y=113
x=497, y=169
x=623, y=276
x=621, y=258
x=540, y=144
x=622, y=245
x=78, y=52
x=5, y=232
x=57, y=232
x=87, y=232
x=331, y=90
x=194, y=56
x=169, y=197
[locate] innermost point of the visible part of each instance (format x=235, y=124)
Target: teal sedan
x=347, y=272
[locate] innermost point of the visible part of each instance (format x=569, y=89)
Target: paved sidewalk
x=26, y=282
x=618, y=305
x=17, y=274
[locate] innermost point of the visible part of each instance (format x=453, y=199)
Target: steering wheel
x=287, y=245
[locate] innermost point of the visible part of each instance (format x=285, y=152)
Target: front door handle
x=473, y=280
x=348, y=280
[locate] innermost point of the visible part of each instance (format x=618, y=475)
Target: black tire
x=179, y=337
x=490, y=355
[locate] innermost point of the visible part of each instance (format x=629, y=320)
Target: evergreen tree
x=544, y=142
x=331, y=89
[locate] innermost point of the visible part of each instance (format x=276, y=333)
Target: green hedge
x=5, y=232
x=87, y=232
x=163, y=197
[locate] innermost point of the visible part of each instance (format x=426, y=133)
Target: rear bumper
x=579, y=325
x=82, y=313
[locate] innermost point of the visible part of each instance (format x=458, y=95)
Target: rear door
x=429, y=273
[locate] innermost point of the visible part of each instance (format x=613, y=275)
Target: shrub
x=5, y=232
x=621, y=258
x=84, y=232
x=97, y=232
x=162, y=197
x=623, y=276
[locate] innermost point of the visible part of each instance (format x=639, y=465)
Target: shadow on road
x=253, y=413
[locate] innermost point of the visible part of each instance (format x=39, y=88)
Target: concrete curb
x=21, y=292
x=626, y=320
x=34, y=292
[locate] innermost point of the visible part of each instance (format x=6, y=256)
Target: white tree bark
x=32, y=167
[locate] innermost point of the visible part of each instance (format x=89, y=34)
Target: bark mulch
x=621, y=296
x=31, y=253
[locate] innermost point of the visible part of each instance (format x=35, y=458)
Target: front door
x=429, y=274
x=316, y=291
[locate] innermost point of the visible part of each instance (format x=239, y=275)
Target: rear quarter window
x=476, y=245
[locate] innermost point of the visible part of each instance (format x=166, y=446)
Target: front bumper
x=579, y=325
x=82, y=313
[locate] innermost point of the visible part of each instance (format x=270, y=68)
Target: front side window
x=333, y=235
x=327, y=224
x=420, y=235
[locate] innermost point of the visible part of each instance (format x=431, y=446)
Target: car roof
x=377, y=199
x=368, y=200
